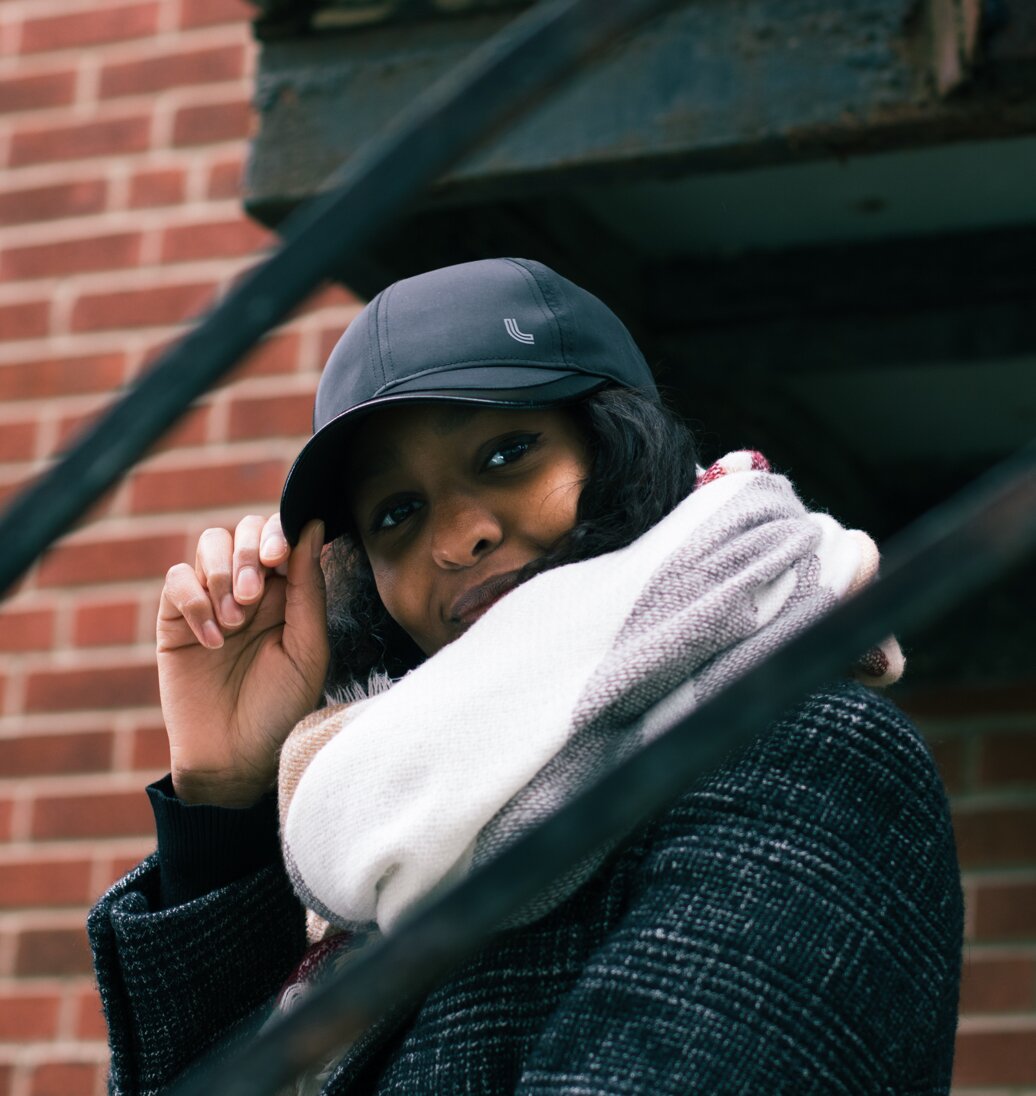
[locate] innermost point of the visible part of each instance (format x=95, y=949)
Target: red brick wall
x=122, y=132
x=985, y=742
x=123, y=126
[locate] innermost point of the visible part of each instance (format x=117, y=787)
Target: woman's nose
x=464, y=530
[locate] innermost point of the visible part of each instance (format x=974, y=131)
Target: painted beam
x=714, y=84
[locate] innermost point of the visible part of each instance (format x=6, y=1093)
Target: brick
x=211, y=122
x=45, y=883
x=274, y=356
x=52, y=89
x=48, y=203
x=191, y=430
x=114, y=251
x=6, y=815
x=1008, y=757
x=188, y=68
x=69, y=426
x=97, y=688
x=125, y=558
x=331, y=295
x=84, y=140
x=998, y=984
x=43, y=754
x=1004, y=911
x=152, y=307
x=89, y=1016
x=995, y=1057
x=25, y=1016
x=109, y=814
x=158, y=187
x=13, y=487
x=226, y=179
x=28, y=320
x=18, y=443
x=104, y=625
x=75, y=30
x=328, y=340
x=222, y=239
x=996, y=836
x=271, y=416
x=207, y=13
x=35, y=380
x=195, y=488
x=122, y=865
x=150, y=748
x=65, y=1079
x=962, y=701
x=949, y=757
x=6, y=1080
x=52, y=951
x=26, y=630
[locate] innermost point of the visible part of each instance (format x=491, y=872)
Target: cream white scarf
x=386, y=799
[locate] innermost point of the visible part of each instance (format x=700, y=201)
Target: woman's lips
x=474, y=602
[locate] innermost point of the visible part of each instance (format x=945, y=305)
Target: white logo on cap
x=517, y=334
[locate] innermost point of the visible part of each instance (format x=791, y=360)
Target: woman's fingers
x=184, y=597
x=228, y=580
x=249, y=573
x=305, y=615
x=214, y=569
x=273, y=546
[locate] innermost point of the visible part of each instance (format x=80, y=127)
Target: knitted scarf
x=385, y=799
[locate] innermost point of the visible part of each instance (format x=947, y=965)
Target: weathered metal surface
x=717, y=83
x=278, y=18
x=909, y=365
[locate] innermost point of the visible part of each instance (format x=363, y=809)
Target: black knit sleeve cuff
x=202, y=847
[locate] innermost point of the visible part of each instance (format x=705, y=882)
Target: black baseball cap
x=496, y=333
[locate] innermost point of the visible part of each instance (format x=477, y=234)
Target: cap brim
x=315, y=485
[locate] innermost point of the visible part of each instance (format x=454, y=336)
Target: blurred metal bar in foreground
x=949, y=552
x=502, y=77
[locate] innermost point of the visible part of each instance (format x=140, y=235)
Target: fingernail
x=212, y=635
x=273, y=547
x=318, y=540
x=230, y=611
x=248, y=585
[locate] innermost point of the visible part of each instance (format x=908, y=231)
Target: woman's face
x=452, y=502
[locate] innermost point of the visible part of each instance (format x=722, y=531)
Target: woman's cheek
x=561, y=502
x=404, y=599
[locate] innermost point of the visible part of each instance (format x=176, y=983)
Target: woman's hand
x=242, y=656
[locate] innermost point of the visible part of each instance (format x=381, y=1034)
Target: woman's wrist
x=202, y=847
x=218, y=789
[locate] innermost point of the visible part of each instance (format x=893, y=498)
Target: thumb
x=305, y=609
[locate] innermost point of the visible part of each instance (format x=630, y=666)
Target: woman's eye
x=512, y=451
x=396, y=515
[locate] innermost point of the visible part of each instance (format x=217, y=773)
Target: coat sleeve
x=177, y=983
x=794, y=927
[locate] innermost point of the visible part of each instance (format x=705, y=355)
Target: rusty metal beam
x=714, y=85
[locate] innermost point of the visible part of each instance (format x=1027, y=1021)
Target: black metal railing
x=501, y=78
x=947, y=554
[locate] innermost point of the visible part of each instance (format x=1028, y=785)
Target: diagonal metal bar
x=949, y=552
x=500, y=79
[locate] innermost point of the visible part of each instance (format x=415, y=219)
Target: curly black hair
x=642, y=463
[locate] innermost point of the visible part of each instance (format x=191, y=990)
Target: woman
x=793, y=924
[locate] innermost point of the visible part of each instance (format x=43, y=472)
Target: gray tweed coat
x=792, y=925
